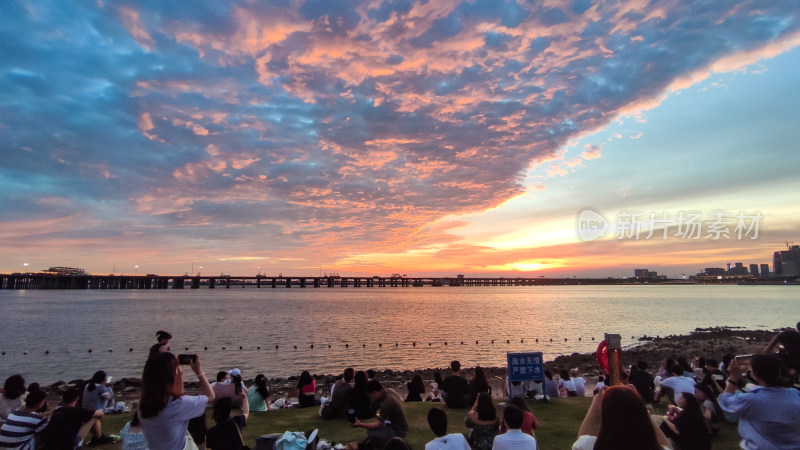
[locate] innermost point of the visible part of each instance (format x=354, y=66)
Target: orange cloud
x=131, y=22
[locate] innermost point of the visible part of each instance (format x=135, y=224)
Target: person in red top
x=529, y=422
x=306, y=390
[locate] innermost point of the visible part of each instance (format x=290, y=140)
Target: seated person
x=550, y=385
x=566, y=386
x=340, y=398
x=416, y=389
x=516, y=388
x=11, y=399
x=258, y=394
x=483, y=421
x=70, y=424
x=359, y=399
x=306, y=390
x=514, y=438
x=132, y=434
x=580, y=382
x=391, y=417
x=437, y=420
x=221, y=377
x=529, y=422
x=677, y=384
x=227, y=434
x=24, y=424
x=455, y=388
x=96, y=395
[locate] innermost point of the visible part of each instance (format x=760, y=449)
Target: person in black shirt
x=70, y=424
x=161, y=346
x=455, y=388
x=641, y=379
x=227, y=434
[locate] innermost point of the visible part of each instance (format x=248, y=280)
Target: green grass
x=558, y=424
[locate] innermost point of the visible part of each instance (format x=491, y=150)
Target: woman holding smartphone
x=96, y=395
x=163, y=408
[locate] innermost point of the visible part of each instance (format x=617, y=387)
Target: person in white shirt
x=677, y=383
x=514, y=438
x=580, y=382
x=437, y=419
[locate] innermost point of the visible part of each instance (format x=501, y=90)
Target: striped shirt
x=20, y=428
x=769, y=417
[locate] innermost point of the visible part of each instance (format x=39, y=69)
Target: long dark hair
x=624, y=422
x=709, y=394
x=480, y=382
x=691, y=418
x=261, y=386
x=305, y=378
x=14, y=387
x=564, y=375
x=682, y=361
x=222, y=409
x=417, y=383
x=158, y=378
x=360, y=380
x=519, y=402
x=97, y=378
x=485, y=408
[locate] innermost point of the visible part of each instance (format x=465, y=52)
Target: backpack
x=291, y=440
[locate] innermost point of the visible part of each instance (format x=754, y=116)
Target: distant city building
x=644, y=273
x=754, y=269
x=765, y=271
x=714, y=271
x=786, y=263
x=737, y=269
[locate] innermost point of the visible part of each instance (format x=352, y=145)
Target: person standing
x=163, y=339
x=163, y=409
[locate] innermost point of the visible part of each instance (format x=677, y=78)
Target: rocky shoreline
x=708, y=342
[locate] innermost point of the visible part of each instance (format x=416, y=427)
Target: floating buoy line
x=346, y=345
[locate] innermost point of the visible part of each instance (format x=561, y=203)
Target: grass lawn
x=558, y=424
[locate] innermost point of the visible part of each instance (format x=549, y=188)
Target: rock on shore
x=710, y=343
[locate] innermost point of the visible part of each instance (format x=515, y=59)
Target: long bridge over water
x=19, y=281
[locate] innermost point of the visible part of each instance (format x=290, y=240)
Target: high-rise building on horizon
x=765, y=271
x=754, y=270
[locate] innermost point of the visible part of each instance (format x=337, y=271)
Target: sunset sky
x=398, y=136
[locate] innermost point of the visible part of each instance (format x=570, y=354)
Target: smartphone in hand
x=185, y=359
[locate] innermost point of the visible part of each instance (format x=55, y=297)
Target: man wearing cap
x=161, y=346
x=236, y=375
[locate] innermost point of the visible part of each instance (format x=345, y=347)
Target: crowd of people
x=754, y=391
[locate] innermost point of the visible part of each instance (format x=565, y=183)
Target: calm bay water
x=353, y=322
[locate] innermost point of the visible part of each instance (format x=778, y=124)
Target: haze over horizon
x=396, y=136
